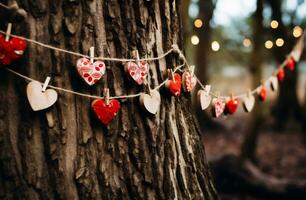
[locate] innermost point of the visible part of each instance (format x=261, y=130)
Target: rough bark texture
x=65, y=152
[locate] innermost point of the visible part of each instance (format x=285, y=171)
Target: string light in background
x=297, y=31
x=274, y=24
x=215, y=46
x=195, y=40
x=247, y=42
x=198, y=23
x=279, y=42
x=269, y=44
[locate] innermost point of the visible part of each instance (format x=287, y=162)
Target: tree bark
x=65, y=152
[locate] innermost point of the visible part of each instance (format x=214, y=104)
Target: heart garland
x=91, y=72
x=11, y=50
x=38, y=99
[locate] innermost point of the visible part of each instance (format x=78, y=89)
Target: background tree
x=65, y=152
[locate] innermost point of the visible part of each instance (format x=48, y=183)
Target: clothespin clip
x=136, y=53
x=171, y=75
x=46, y=83
x=217, y=94
x=249, y=93
x=191, y=70
x=106, y=96
x=147, y=87
x=92, y=54
x=8, y=32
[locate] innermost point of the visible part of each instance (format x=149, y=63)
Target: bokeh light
x=297, y=31
x=247, y=42
x=268, y=44
x=198, y=23
x=274, y=24
x=215, y=46
x=279, y=42
x=195, y=40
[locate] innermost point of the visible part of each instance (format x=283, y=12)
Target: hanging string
x=4, y=6
x=86, y=56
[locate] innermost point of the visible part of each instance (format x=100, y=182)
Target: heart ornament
x=273, y=83
x=150, y=102
x=290, y=63
x=281, y=75
x=173, y=84
x=105, y=111
x=189, y=81
x=11, y=49
x=137, y=71
x=262, y=93
x=38, y=99
x=218, y=106
x=204, y=97
x=91, y=72
x=232, y=105
x=248, y=102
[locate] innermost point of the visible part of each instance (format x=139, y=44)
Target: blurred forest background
x=235, y=44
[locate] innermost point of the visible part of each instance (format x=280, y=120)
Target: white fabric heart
x=151, y=103
x=248, y=103
x=40, y=100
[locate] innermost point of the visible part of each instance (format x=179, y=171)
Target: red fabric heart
x=232, y=105
x=174, y=86
x=11, y=50
x=281, y=75
x=290, y=64
x=262, y=94
x=104, y=112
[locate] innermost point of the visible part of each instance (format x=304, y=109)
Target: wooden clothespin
x=106, y=96
x=147, y=87
x=171, y=75
x=191, y=70
x=136, y=53
x=92, y=54
x=249, y=93
x=46, y=83
x=8, y=32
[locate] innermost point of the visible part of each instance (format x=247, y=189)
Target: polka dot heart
x=90, y=72
x=137, y=72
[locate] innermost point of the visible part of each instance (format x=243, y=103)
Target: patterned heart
x=218, y=107
x=189, y=82
x=138, y=73
x=11, y=50
x=90, y=72
x=204, y=97
x=104, y=112
x=232, y=105
x=174, y=86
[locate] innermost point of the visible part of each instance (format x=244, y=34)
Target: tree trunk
x=206, y=12
x=249, y=144
x=287, y=90
x=65, y=152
